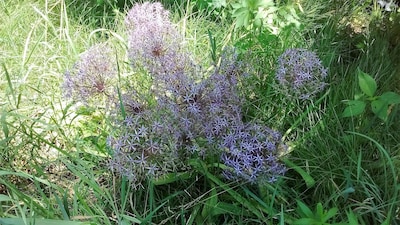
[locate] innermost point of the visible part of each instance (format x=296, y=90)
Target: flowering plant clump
x=185, y=120
x=300, y=73
x=185, y=113
x=91, y=75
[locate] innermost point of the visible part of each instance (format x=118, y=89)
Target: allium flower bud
x=90, y=76
x=300, y=74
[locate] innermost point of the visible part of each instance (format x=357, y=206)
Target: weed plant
x=54, y=165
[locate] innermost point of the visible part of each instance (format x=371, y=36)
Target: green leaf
x=310, y=182
x=331, y=213
x=236, y=6
x=358, y=96
x=319, y=210
x=211, y=203
x=227, y=208
x=218, y=3
x=380, y=108
x=304, y=221
x=390, y=97
x=354, y=108
x=367, y=83
x=242, y=16
x=352, y=218
x=304, y=210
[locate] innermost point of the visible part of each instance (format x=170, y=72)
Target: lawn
x=199, y=112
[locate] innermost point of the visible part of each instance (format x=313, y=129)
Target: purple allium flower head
x=300, y=73
x=154, y=42
x=246, y=161
x=91, y=75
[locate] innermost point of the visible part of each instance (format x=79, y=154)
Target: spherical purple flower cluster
x=91, y=75
x=300, y=74
x=145, y=145
x=251, y=154
x=154, y=42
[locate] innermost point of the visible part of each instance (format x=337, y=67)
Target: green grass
x=53, y=154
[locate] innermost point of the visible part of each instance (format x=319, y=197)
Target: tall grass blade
x=10, y=85
x=310, y=182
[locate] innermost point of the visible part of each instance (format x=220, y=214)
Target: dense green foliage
x=342, y=162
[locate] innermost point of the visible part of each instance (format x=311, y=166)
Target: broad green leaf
x=390, y=97
x=380, y=108
x=242, y=16
x=304, y=210
x=354, y=108
x=331, y=213
x=358, y=96
x=367, y=83
x=319, y=210
x=304, y=221
x=239, y=12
